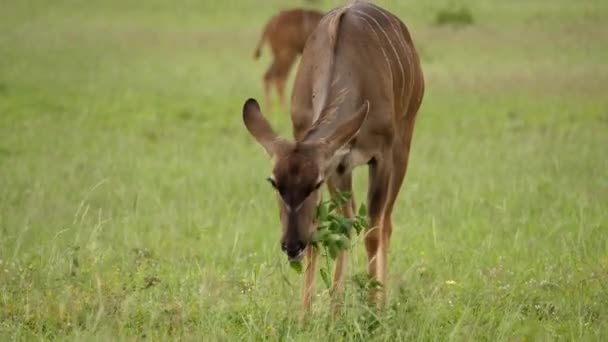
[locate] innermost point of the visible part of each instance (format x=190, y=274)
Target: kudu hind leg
x=400, y=162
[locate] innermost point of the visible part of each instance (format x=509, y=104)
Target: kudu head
x=299, y=170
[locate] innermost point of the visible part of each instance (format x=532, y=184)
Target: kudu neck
x=334, y=115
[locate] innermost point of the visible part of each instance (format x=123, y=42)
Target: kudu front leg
x=285, y=60
x=309, y=279
x=378, y=191
x=340, y=183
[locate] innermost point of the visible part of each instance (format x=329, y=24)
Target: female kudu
x=355, y=99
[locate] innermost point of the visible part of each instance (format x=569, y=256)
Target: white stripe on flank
x=388, y=62
x=390, y=42
x=401, y=40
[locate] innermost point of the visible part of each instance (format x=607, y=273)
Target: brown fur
x=355, y=99
x=286, y=33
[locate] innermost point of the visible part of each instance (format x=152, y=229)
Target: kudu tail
x=258, y=48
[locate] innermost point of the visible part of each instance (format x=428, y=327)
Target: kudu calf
x=287, y=33
x=354, y=102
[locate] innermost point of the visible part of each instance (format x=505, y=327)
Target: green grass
x=133, y=202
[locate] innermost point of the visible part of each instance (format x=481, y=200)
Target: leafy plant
x=334, y=231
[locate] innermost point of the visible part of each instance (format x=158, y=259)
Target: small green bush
x=455, y=16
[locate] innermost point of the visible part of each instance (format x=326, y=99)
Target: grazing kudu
x=287, y=33
x=354, y=102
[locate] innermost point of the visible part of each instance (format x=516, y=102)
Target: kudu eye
x=272, y=182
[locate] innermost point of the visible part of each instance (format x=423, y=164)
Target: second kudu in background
x=286, y=33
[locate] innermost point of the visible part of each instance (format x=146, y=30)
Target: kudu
x=287, y=33
x=354, y=102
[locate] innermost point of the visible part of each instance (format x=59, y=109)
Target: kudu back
x=355, y=98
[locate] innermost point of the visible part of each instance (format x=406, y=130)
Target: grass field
x=133, y=203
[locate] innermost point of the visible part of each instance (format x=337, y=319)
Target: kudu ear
x=345, y=132
x=259, y=127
